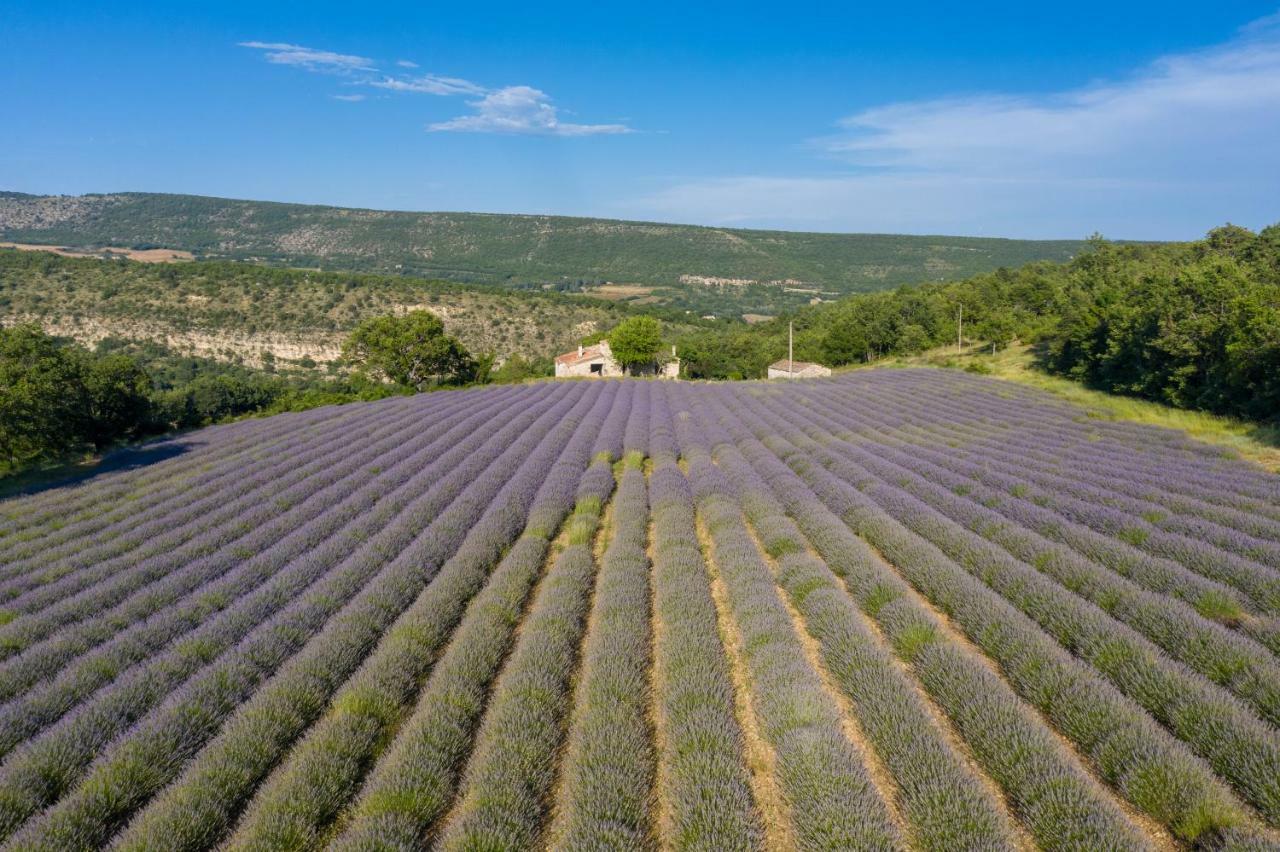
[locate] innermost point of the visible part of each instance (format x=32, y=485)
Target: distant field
x=896, y=609
x=618, y=292
x=140, y=255
x=725, y=271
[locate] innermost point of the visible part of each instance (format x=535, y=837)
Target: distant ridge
x=683, y=262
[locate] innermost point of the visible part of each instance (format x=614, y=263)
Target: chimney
x=579, y=350
x=673, y=351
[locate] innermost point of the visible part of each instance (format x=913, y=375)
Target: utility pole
x=960, y=330
x=791, y=339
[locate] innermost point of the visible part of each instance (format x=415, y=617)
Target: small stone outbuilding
x=597, y=362
x=589, y=362
x=786, y=369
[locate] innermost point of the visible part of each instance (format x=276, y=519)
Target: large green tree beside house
x=636, y=342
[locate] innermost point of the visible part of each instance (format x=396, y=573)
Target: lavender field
x=898, y=609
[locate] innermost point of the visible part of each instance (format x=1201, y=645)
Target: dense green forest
x=1194, y=325
x=59, y=400
x=522, y=251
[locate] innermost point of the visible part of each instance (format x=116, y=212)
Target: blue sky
x=1139, y=119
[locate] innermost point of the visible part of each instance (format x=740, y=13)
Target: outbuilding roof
x=792, y=366
x=582, y=355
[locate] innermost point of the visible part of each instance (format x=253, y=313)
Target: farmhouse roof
x=582, y=355
x=792, y=366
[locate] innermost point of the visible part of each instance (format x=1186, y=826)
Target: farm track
x=899, y=609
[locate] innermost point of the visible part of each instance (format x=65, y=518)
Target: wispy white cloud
x=1180, y=145
x=309, y=58
x=510, y=109
x=1179, y=109
x=521, y=110
x=430, y=84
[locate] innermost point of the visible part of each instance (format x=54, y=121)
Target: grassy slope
x=507, y=248
x=1257, y=443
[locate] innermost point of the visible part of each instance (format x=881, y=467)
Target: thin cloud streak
x=1180, y=106
x=1194, y=131
x=430, y=84
x=282, y=53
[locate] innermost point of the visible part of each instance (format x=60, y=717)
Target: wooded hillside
x=709, y=270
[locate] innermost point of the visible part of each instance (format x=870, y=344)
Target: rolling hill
x=708, y=270
x=892, y=610
x=240, y=312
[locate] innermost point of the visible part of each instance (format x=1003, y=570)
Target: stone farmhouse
x=788, y=369
x=597, y=362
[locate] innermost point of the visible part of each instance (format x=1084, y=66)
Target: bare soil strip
x=604, y=536
x=881, y=778
x=761, y=760
x=949, y=733
x=1156, y=834
x=661, y=821
x=557, y=546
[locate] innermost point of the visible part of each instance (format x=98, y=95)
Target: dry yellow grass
x=619, y=292
x=157, y=255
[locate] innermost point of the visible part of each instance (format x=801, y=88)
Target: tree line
x=1194, y=325
x=60, y=401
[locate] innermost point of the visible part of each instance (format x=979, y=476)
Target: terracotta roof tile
x=589, y=353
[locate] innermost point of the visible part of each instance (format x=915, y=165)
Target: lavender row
x=209, y=453
x=508, y=779
x=1232, y=482
x=1127, y=746
x=117, y=592
x=197, y=498
x=414, y=782
x=1210, y=649
x=193, y=812
x=1031, y=451
x=1063, y=443
x=50, y=764
x=385, y=571
x=605, y=801
x=701, y=773
x=942, y=799
x=1238, y=745
x=307, y=791
x=832, y=801
x=136, y=521
x=198, y=517
x=1260, y=583
x=1051, y=793
x=183, y=572
x=1099, y=467
x=1027, y=409
x=1124, y=744
x=38, y=707
x=1001, y=494
x=1129, y=516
